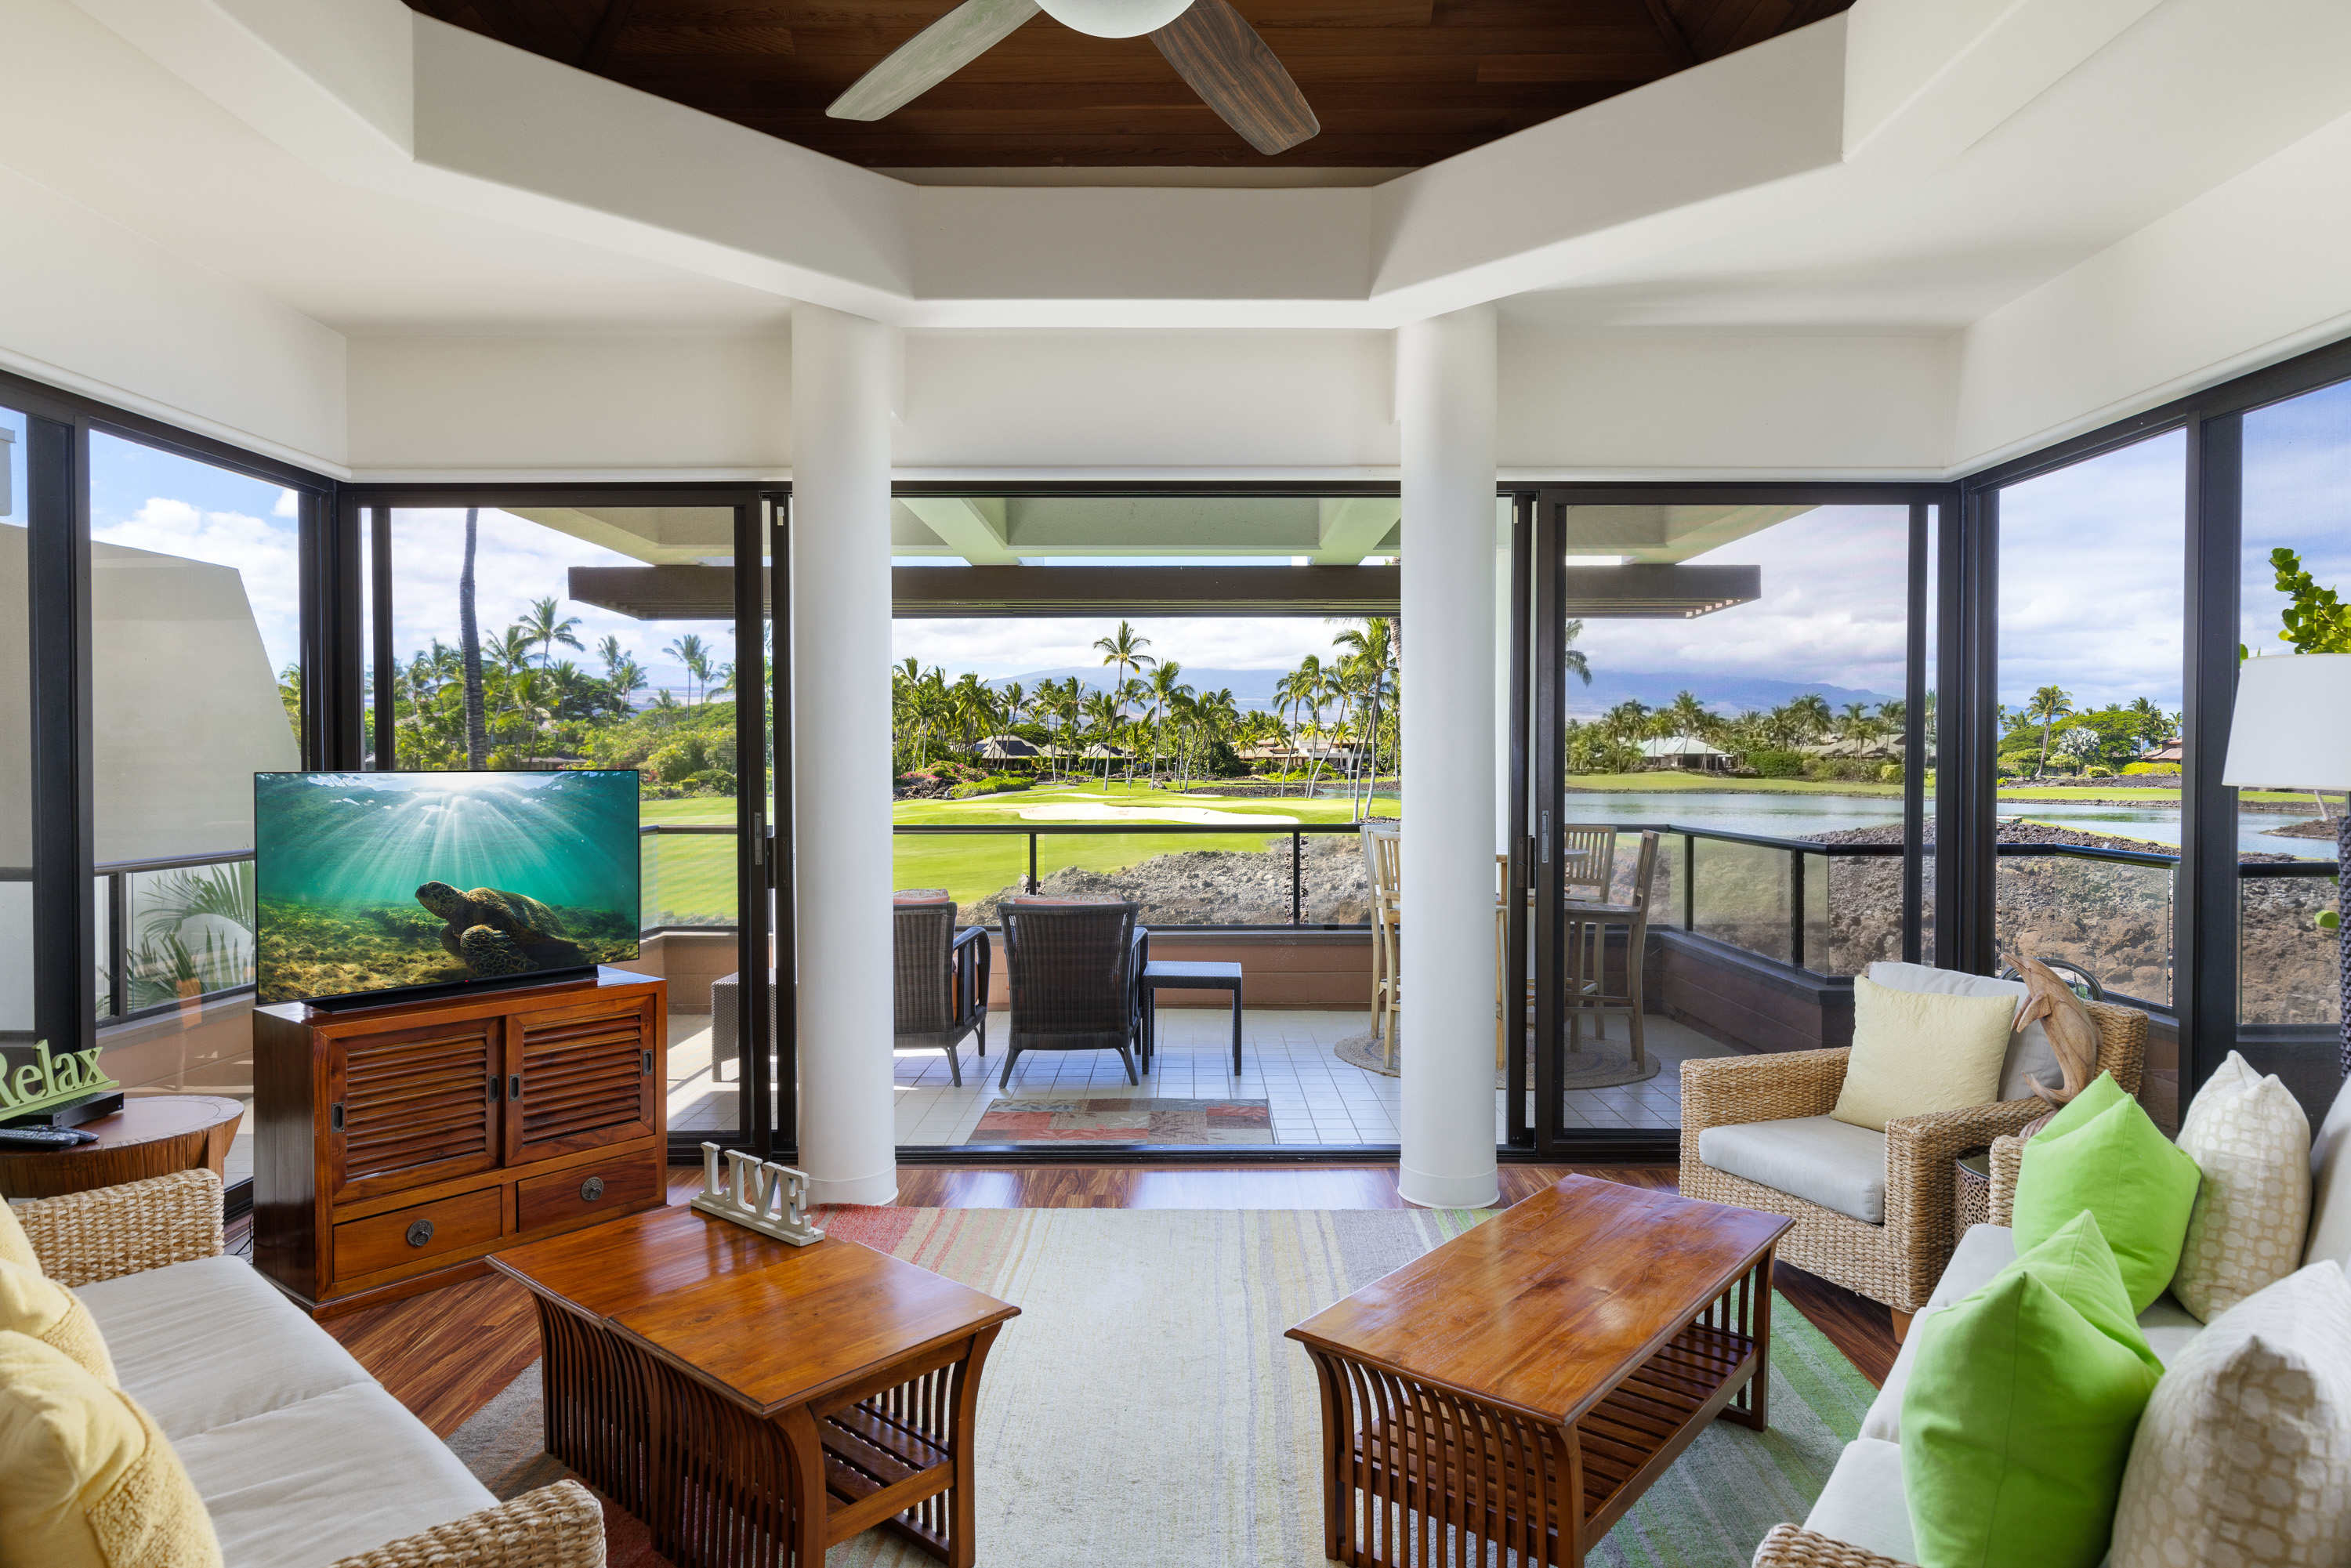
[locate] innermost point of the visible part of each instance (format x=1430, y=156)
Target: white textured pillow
x=2248, y=1137
x=2029, y=1050
x=2242, y=1458
x=2330, y=1186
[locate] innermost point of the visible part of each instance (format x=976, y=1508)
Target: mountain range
x=1727, y=695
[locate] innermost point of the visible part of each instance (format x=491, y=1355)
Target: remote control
x=44, y=1137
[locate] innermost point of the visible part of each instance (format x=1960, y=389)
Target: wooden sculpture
x=2072, y=1034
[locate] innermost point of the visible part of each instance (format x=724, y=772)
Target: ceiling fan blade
x=1238, y=76
x=930, y=56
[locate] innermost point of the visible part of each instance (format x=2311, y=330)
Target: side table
x=151, y=1135
x=1970, y=1190
x=1181, y=976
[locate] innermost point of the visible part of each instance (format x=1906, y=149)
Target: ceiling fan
x=1211, y=48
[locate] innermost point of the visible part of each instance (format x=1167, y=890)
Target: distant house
x=1685, y=751
x=2172, y=751
x=1007, y=748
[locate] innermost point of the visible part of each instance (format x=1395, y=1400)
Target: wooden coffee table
x=755, y=1402
x=151, y=1135
x=1526, y=1381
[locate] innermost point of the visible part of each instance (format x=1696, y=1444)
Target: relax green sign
x=48, y=1080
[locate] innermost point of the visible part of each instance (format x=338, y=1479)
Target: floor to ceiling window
x=195, y=685
x=2296, y=527
x=542, y=638
x=17, y=1016
x=2092, y=615
x=1734, y=688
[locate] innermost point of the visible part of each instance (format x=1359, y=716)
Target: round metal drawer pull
x=420, y=1233
x=592, y=1189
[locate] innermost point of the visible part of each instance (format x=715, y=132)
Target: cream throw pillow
x=2248, y=1137
x=15, y=1247
x=2242, y=1458
x=1914, y=1052
x=87, y=1480
x=43, y=1310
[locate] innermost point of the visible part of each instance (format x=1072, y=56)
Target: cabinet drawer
x=406, y=1236
x=607, y=1188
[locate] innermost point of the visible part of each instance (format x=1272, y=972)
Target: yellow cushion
x=15, y=1247
x=87, y=1480
x=1915, y=1052
x=46, y=1311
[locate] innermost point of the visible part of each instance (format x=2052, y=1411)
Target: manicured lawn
x=689, y=880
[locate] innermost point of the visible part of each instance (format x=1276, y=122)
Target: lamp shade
x=2291, y=729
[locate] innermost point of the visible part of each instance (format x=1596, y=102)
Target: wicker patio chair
x=1076, y=971
x=1788, y=1546
x=1896, y=1262
x=940, y=981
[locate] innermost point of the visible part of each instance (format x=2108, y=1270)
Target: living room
x=1834, y=511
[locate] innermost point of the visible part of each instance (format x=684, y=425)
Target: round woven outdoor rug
x=1601, y=1064
x=1145, y=1408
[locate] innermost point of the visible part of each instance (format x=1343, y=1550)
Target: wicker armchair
x=1898, y=1262
x=83, y=1237
x=1076, y=972
x=939, y=991
x=1789, y=1547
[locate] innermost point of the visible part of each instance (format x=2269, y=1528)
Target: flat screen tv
x=381, y=886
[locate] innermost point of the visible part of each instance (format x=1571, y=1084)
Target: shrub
x=2061, y=763
x=679, y=760
x=1770, y=764
x=1890, y=773
x=2171, y=768
x=2095, y=770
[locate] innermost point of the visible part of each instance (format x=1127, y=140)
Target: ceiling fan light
x=1114, y=18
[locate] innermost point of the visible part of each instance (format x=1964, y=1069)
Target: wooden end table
x=752, y=1402
x=1525, y=1382
x=151, y=1135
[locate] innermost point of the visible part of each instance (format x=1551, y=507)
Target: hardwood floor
x=446, y=1355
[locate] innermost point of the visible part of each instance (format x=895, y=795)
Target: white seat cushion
x=2029, y=1050
x=2330, y=1187
x=1864, y=1504
x=1817, y=1158
x=205, y=1344
x=341, y=1473
x=1983, y=1252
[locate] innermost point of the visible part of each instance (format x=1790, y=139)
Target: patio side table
x=1182, y=977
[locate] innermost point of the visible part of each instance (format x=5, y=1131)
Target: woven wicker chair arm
x=82, y=1237
x=1724, y=1091
x=1789, y=1547
x=1923, y=1147
x=2122, y=1043
x=561, y=1526
x=2007, y=1159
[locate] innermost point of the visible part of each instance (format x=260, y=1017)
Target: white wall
x=2250, y=273
x=1630, y=405
x=570, y=407
x=89, y=306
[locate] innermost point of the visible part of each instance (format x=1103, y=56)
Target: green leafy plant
x=2316, y=622
x=1777, y=764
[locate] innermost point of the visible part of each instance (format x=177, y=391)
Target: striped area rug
x=1145, y=1408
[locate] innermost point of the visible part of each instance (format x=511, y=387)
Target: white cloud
x=288, y=505
x=266, y=555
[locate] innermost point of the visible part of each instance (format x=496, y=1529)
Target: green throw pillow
x=2019, y=1415
x=2106, y=1157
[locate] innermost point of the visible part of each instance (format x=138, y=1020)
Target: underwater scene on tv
x=375, y=881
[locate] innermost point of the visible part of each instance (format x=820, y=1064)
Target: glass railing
x=2107, y=911
x=687, y=873
x=1308, y=875
x=173, y=931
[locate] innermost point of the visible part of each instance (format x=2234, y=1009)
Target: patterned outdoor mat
x=1124, y=1119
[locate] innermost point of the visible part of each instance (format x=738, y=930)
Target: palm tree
x=1687, y=716
x=1372, y=653
x=1810, y=714
x=1102, y=710
x=1164, y=686
x=1577, y=664
x=2152, y=725
x=612, y=654
x=546, y=630
x=469, y=642
x=1013, y=701
x=2049, y=705
x=690, y=651
x=1124, y=649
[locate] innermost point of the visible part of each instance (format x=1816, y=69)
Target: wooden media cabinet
x=396, y=1146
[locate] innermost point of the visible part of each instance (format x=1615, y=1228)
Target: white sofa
x=1862, y=1519
x=302, y=1459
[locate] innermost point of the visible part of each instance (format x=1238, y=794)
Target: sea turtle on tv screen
x=493, y=932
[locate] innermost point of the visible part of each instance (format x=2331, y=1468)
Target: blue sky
x=2091, y=575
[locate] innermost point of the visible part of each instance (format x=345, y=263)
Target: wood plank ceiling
x=1396, y=83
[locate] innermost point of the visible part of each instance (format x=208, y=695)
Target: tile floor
x=1286, y=1060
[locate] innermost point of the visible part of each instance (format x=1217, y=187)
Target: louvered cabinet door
x=580, y=1077
x=412, y=1106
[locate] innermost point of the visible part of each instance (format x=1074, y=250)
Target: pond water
x=1803, y=816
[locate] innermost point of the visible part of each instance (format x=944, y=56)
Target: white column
x=1445, y=404
x=841, y=716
